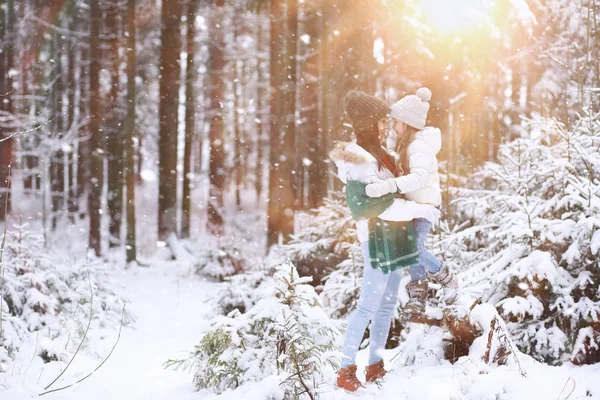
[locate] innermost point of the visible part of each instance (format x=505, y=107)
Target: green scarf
x=392, y=244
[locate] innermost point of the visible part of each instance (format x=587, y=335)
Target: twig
x=98, y=367
x=486, y=357
x=507, y=343
x=26, y=131
x=84, y=335
x=475, y=303
x=2, y=248
x=563, y=389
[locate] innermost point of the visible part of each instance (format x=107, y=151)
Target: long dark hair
x=368, y=139
x=402, y=149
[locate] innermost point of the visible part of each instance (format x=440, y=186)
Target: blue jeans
x=427, y=261
x=376, y=304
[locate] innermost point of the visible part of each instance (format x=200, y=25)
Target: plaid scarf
x=392, y=244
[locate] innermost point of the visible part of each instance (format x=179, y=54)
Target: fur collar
x=342, y=152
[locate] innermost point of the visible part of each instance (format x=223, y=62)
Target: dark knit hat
x=364, y=110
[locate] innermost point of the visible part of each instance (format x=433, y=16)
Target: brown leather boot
x=346, y=379
x=375, y=371
x=417, y=292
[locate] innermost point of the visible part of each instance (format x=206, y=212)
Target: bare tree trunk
x=96, y=158
x=237, y=145
x=288, y=165
x=7, y=19
x=57, y=165
x=114, y=149
x=274, y=206
x=130, y=245
x=72, y=195
x=169, y=90
x=216, y=67
x=190, y=117
x=261, y=111
x=84, y=146
x=317, y=169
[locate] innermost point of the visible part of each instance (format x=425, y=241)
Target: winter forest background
x=164, y=162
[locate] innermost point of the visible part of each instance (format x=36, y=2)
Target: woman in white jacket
x=418, y=180
x=366, y=161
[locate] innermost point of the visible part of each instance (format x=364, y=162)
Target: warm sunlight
x=455, y=16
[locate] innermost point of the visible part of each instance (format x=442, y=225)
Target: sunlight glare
x=453, y=16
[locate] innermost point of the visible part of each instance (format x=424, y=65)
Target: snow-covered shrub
x=242, y=291
x=530, y=238
x=322, y=243
x=47, y=294
x=341, y=288
x=218, y=263
x=285, y=334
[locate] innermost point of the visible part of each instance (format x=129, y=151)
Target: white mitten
x=381, y=188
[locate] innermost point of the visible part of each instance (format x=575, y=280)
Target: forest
x=165, y=177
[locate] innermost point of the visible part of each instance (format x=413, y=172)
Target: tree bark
x=130, y=238
x=72, y=195
x=96, y=154
x=317, y=169
x=216, y=65
x=6, y=88
x=169, y=88
x=262, y=104
x=57, y=164
x=84, y=146
x=289, y=175
x=190, y=117
x=114, y=145
x=274, y=206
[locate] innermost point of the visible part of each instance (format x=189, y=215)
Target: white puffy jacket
x=422, y=184
x=356, y=164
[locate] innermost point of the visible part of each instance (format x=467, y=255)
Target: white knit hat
x=412, y=109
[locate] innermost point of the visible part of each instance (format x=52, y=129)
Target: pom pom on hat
x=424, y=94
x=412, y=109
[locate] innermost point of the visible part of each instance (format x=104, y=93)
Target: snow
x=172, y=309
x=167, y=305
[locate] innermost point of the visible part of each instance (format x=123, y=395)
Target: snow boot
x=447, y=279
x=375, y=371
x=347, y=380
x=417, y=291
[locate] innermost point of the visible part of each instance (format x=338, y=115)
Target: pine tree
x=216, y=66
x=96, y=158
x=130, y=239
x=168, y=117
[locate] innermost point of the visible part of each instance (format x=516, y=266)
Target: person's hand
x=381, y=188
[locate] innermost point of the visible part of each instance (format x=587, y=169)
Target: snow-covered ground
x=168, y=306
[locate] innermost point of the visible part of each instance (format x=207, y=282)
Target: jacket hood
x=347, y=155
x=432, y=138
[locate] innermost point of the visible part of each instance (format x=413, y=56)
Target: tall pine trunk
x=216, y=66
x=237, y=100
x=114, y=145
x=274, y=204
x=7, y=32
x=84, y=145
x=289, y=175
x=130, y=238
x=190, y=117
x=96, y=154
x=262, y=111
x=72, y=195
x=169, y=90
x=311, y=92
